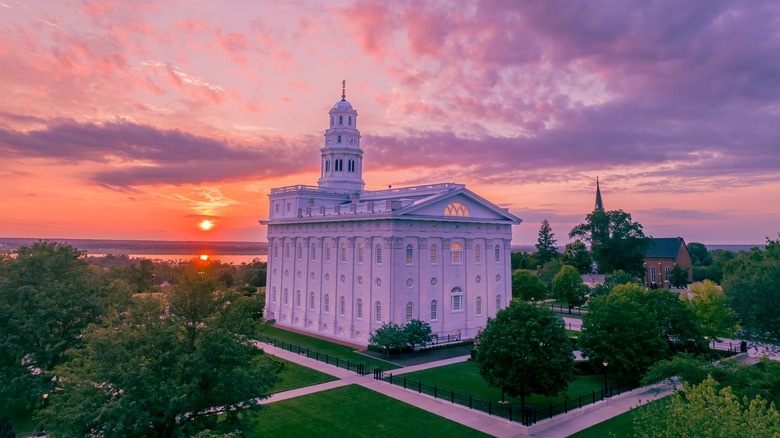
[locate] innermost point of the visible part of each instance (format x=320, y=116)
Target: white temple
x=343, y=260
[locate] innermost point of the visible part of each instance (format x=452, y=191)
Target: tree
x=711, y=310
x=389, y=336
x=545, y=245
x=417, y=332
x=548, y=271
x=676, y=322
x=678, y=277
x=567, y=285
x=525, y=350
x=48, y=295
x=526, y=286
x=703, y=410
x=752, y=286
x=619, y=328
x=576, y=254
x=699, y=254
x=612, y=280
x=616, y=241
x=163, y=366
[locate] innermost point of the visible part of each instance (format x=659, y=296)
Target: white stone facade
x=342, y=261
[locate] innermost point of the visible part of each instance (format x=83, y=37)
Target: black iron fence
x=513, y=412
x=362, y=368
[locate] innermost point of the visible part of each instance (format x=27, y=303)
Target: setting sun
x=204, y=257
x=206, y=225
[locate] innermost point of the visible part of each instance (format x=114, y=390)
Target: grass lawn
x=295, y=376
x=465, y=379
x=619, y=426
x=351, y=411
x=343, y=352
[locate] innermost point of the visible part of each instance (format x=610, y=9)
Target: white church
x=344, y=260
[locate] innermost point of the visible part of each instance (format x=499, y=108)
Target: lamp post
x=605, y=363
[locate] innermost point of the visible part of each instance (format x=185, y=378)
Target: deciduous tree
x=576, y=254
x=678, y=277
x=389, y=336
x=611, y=280
x=616, y=241
x=525, y=350
x=48, y=295
x=417, y=332
x=567, y=286
x=618, y=327
x=709, y=305
x=526, y=286
x=706, y=410
x=164, y=368
x=752, y=286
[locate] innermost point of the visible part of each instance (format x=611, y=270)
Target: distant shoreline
x=115, y=246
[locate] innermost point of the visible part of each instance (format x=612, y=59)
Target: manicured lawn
x=619, y=426
x=295, y=376
x=465, y=379
x=343, y=352
x=351, y=411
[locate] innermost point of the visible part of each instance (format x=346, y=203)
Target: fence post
x=318, y=355
x=347, y=364
x=580, y=401
x=469, y=402
x=490, y=408
x=565, y=406
x=404, y=382
x=435, y=392
x=419, y=386
x=453, y=396
x=391, y=378
x=327, y=357
x=337, y=362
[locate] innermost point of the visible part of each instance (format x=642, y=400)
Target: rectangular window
x=667, y=272
x=343, y=253
x=379, y=254
x=478, y=254
x=457, y=303
x=456, y=257
x=360, y=253
x=652, y=274
x=433, y=254
x=409, y=254
x=498, y=254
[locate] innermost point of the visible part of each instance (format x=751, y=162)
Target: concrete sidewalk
x=558, y=426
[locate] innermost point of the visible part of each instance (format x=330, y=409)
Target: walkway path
x=559, y=426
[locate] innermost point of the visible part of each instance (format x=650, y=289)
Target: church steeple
x=342, y=158
x=599, y=203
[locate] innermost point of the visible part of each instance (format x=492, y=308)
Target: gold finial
x=344, y=89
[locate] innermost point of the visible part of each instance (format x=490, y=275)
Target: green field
x=465, y=379
x=343, y=352
x=295, y=376
x=619, y=426
x=351, y=411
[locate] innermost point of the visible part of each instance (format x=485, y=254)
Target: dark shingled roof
x=663, y=248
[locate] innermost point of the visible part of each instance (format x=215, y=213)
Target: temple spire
x=344, y=89
x=599, y=203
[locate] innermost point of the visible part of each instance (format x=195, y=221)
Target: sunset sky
x=140, y=120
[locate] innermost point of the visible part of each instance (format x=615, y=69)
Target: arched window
x=327, y=165
x=478, y=254
x=285, y=297
x=409, y=311
x=360, y=253
x=342, y=306
x=339, y=140
x=313, y=251
x=297, y=298
x=359, y=305
x=434, y=310
x=433, y=254
x=327, y=252
x=274, y=294
x=409, y=254
x=652, y=274
x=378, y=312
x=479, y=305
x=343, y=253
x=456, y=209
x=311, y=300
x=456, y=253
x=498, y=253
x=341, y=120
x=326, y=303
x=300, y=251
x=498, y=303
x=378, y=254
x=667, y=272
x=287, y=251
x=457, y=299
x=350, y=121
x=276, y=250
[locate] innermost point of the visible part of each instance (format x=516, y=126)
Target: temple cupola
x=342, y=159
